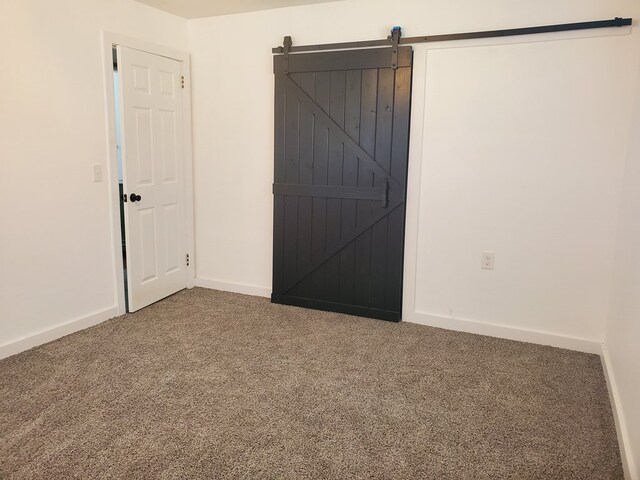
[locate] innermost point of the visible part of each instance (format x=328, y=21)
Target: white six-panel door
x=155, y=225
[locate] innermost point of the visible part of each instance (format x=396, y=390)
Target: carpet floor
x=207, y=384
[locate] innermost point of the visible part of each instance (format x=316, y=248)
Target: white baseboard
x=50, y=334
x=628, y=462
x=503, y=331
x=233, y=287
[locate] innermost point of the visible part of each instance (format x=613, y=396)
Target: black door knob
x=135, y=198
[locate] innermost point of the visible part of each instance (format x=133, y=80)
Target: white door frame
x=109, y=40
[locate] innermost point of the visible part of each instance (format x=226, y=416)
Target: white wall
x=523, y=148
x=55, y=234
x=622, y=342
x=520, y=150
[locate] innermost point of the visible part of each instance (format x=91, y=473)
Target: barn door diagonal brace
x=334, y=247
x=564, y=27
x=385, y=194
x=340, y=133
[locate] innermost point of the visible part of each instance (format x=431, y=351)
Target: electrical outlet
x=97, y=173
x=488, y=260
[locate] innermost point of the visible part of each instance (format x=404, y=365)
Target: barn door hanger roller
x=395, y=38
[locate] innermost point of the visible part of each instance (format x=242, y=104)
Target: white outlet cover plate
x=97, y=172
x=488, y=260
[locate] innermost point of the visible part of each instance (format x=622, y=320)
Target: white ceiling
x=209, y=8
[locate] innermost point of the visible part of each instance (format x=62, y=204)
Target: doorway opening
x=116, y=106
x=150, y=170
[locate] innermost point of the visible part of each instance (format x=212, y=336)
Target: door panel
x=155, y=226
x=341, y=149
x=147, y=230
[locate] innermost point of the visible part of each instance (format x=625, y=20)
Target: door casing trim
x=109, y=40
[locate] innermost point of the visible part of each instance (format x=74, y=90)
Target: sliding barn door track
x=396, y=39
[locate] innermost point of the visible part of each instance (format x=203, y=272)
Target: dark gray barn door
x=341, y=151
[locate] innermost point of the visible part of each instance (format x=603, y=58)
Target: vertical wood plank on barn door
x=353, y=83
x=278, y=177
x=398, y=169
x=319, y=278
x=341, y=137
x=334, y=177
x=305, y=177
x=369, y=112
x=291, y=153
x=384, y=126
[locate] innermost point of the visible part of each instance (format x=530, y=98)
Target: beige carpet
x=208, y=384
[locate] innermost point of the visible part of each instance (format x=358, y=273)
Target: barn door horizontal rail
x=333, y=191
x=392, y=40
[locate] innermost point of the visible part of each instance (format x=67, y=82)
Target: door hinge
x=182, y=81
x=187, y=259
